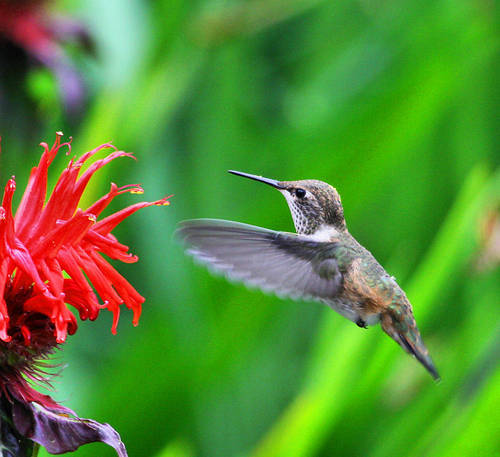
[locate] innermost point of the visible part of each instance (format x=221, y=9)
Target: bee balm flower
x=51, y=265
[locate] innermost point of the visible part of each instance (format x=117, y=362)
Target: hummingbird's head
x=314, y=204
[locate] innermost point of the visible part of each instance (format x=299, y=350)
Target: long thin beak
x=271, y=182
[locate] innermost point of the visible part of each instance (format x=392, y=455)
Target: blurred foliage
x=395, y=103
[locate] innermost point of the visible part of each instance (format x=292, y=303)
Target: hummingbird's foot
x=361, y=323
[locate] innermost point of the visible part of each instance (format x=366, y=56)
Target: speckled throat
x=306, y=218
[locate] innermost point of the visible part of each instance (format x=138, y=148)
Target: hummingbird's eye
x=301, y=193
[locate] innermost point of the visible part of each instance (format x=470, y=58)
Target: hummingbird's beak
x=271, y=182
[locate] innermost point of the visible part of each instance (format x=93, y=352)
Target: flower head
x=51, y=266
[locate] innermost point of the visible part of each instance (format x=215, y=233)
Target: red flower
x=47, y=252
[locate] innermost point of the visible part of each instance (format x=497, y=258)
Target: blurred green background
x=394, y=103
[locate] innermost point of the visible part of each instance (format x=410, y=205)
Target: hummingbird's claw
x=361, y=323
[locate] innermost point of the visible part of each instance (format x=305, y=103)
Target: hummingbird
x=321, y=262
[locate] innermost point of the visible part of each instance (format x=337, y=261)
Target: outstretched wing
x=284, y=263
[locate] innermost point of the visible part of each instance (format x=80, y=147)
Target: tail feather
x=407, y=335
x=421, y=354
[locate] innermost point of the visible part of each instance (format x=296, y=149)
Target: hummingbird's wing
x=284, y=263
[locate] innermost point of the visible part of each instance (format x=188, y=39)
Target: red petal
x=107, y=224
x=104, y=201
x=109, y=246
x=84, y=301
x=132, y=299
x=84, y=179
x=97, y=278
x=59, y=206
x=34, y=196
x=54, y=308
x=26, y=335
x=4, y=321
x=67, y=233
x=4, y=314
x=78, y=291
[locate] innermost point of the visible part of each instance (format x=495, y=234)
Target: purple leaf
x=12, y=444
x=60, y=433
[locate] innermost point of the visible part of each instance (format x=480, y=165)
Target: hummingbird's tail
x=407, y=335
x=420, y=352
